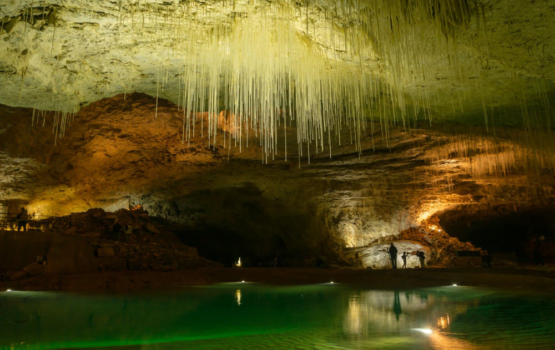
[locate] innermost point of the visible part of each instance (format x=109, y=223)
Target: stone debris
x=123, y=240
x=443, y=247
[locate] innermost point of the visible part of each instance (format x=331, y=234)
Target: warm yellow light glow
x=238, y=263
x=238, y=296
x=443, y=322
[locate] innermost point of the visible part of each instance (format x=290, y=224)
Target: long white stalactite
x=255, y=68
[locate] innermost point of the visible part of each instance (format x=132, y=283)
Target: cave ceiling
x=453, y=58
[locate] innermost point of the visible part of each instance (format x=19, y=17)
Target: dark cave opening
x=226, y=246
x=504, y=231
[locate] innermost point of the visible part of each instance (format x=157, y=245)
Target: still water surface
x=250, y=316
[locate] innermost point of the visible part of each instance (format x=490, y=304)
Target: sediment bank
x=127, y=281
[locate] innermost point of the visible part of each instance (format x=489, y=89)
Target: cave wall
x=504, y=229
x=233, y=202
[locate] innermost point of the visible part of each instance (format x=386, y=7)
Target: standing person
x=404, y=257
x=393, y=256
x=22, y=219
x=422, y=258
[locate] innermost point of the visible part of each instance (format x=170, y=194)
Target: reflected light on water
x=443, y=322
x=356, y=321
x=441, y=341
x=238, y=296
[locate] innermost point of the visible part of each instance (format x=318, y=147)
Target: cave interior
x=290, y=133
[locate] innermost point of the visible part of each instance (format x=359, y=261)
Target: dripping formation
x=321, y=67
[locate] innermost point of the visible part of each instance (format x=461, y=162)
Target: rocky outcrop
x=96, y=241
x=30, y=253
x=440, y=249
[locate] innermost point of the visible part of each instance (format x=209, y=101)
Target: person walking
x=404, y=257
x=22, y=219
x=393, y=255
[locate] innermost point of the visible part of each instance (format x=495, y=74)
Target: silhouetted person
x=397, y=305
x=422, y=258
x=404, y=257
x=538, y=251
x=393, y=256
x=22, y=219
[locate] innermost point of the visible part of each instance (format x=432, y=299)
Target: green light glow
x=276, y=318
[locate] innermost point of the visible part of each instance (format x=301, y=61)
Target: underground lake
x=246, y=315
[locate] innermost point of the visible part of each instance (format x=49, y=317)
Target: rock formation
x=127, y=240
x=229, y=204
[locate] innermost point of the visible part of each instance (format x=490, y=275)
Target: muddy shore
x=121, y=282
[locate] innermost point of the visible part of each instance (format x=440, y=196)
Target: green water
x=250, y=316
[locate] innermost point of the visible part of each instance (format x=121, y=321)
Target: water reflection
x=278, y=318
x=441, y=318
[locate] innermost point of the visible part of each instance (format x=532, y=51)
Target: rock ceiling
x=449, y=57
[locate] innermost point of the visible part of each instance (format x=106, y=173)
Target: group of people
x=393, y=256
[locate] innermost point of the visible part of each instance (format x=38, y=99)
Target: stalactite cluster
x=318, y=66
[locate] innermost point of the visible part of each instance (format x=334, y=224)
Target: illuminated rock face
x=116, y=155
x=377, y=256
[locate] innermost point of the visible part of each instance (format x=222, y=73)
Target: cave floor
x=525, y=280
